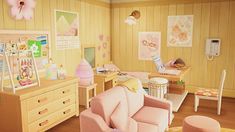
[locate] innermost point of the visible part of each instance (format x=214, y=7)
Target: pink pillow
x=119, y=118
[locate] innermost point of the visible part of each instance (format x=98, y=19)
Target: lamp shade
x=130, y=20
x=85, y=73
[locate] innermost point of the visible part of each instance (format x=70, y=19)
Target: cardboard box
x=176, y=88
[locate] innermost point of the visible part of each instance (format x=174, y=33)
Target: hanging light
x=130, y=20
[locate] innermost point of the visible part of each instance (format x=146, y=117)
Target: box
x=176, y=88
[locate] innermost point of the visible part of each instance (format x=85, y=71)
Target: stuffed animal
x=177, y=63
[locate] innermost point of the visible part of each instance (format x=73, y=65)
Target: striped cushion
x=207, y=92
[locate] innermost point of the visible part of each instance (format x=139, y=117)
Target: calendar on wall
x=67, y=30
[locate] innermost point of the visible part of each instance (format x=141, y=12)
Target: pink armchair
x=143, y=113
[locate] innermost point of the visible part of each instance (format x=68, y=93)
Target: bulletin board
x=38, y=41
x=89, y=54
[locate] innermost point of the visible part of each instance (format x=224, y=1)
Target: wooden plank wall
x=211, y=19
x=94, y=19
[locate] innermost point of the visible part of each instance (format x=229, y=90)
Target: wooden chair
x=211, y=94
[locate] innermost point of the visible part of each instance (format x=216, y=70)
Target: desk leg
x=100, y=86
x=87, y=99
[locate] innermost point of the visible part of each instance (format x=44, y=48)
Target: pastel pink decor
x=146, y=127
x=22, y=8
x=200, y=124
x=99, y=117
x=119, y=118
x=135, y=101
x=85, y=73
x=149, y=114
x=92, y=122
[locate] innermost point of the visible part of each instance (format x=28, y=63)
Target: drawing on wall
x=67, y=30
x=35, y=46
x=89, y=54
x=103, y=46
x=180, y=31
x=149, y=45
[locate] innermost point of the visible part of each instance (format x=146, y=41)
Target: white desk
x=176, y=99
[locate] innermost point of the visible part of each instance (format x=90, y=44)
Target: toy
x=177, y=63
x=51, y=70
x=61, y=73
x=26, y=69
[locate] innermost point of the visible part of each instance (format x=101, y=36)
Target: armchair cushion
x=105, y=103
x=145, y=127
x=151, y=115
x=119, y=118
x=134, y=101
x=121, y=121
x=158, y=103
x=90, y=122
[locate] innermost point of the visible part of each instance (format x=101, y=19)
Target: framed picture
x=89, y=55
x=67, y=30
x=180, y=31
x=149, y=45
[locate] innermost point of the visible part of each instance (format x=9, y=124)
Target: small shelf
x=177, y=100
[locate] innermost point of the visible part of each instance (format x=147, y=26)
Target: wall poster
x=67, y=30
x=180, y=31
x=149, y=45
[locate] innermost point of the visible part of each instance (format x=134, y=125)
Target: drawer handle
x=66, y=101
x=43, y=111
x=67, y=111
x=42, y=100
x=65, y=91
x=43, y=123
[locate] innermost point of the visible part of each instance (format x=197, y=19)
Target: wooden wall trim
x=160, y=2
x=98, y=3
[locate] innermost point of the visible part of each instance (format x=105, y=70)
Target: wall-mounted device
x=212, y=48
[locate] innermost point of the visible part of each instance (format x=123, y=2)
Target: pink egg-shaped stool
x=198, y=123
x=85, y=73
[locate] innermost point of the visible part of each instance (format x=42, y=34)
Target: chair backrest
x=221, y=85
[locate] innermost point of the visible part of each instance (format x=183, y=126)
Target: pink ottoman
x=200, y=124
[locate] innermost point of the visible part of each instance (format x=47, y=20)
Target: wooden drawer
x=42, y=124
x=108, y=78
x=67, y=111
x=43, y=111
x=40, y=100
x=65, y=91
x=68, y=100
x=115, y=81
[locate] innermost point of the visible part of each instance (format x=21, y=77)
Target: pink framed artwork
x=149, y=45
x=180, y=31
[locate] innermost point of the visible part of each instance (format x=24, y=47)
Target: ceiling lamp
x=133, y=17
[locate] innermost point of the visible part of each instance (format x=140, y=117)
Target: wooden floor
x=206, y=108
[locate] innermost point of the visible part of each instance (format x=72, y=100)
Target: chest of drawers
x=39, y=108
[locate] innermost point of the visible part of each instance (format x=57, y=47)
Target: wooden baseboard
x=226, y=92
